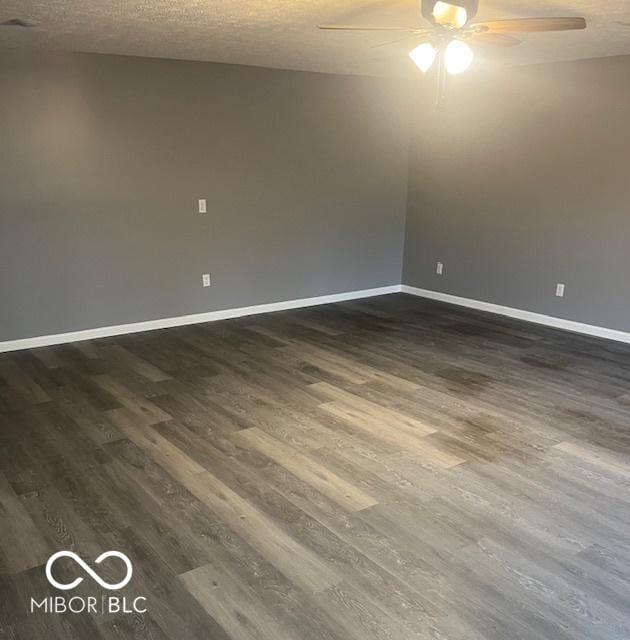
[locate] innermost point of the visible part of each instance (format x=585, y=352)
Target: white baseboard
x=520, y=314
x=210, y=316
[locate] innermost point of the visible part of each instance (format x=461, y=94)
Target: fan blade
x=529, y=25
x=409, y=35
x=335, y=27
x=493, y=40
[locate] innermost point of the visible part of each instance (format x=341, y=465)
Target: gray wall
x=523, y=181
x=103, y=159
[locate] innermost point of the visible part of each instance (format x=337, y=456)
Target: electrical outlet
x=439, y=269
x=203, y=205
x=206, y=279
x=560, y=290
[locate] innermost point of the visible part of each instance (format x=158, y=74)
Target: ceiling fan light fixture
x=424, y=56
x=458, y=57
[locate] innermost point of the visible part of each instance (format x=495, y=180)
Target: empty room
x=314, y=320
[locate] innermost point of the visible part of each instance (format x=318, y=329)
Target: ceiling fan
x=451, y=31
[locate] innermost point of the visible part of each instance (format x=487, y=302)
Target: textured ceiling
x=282, y=33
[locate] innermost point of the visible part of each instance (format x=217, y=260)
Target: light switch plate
x=203, y=205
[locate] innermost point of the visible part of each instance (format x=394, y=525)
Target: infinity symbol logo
x=88, y=570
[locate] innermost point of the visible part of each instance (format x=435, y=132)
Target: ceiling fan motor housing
x=471, y=6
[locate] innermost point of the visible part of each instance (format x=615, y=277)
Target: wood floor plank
x=21, y=544
x=138, y=430
x=405, y=439
x=22, y=384
x=397, y=421
x=300, y=564
x=136, y=363
x=234, y=605
x=342, y=492
x=128, y=399
x=244, y=518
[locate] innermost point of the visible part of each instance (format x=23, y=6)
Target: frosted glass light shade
x=458, y=57
x=424, y=56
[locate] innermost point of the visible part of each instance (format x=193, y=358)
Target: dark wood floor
x=386, y=469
